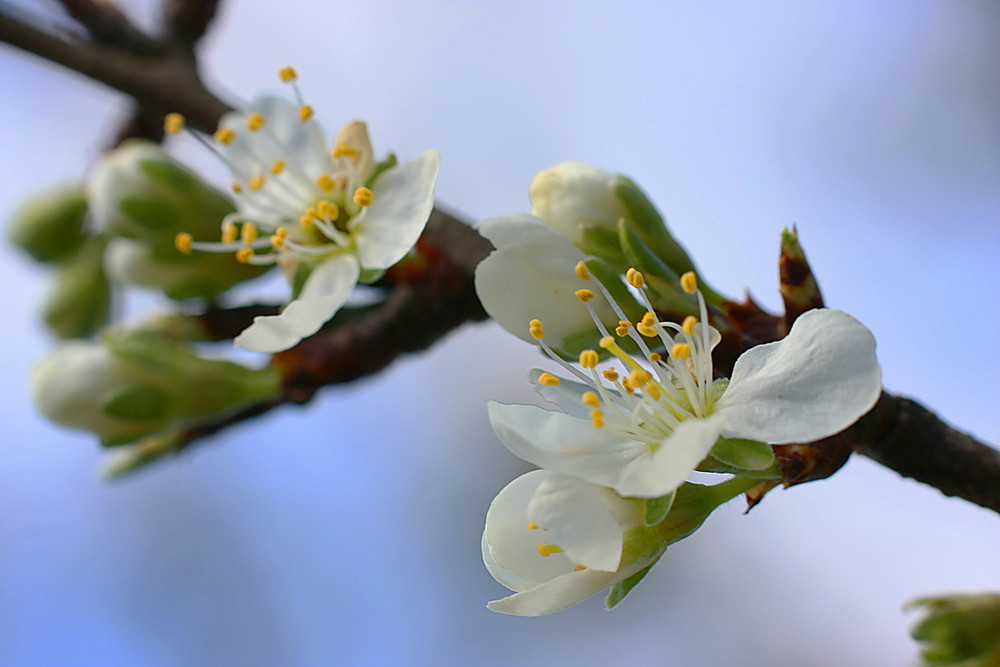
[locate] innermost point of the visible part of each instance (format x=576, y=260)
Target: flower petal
x=816, y=382
x=325, y=291
x=571, y=195
x=567, y=394
x=657, y=473
x=404, y=197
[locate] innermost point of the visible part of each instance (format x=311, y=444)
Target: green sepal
x=50, y=226
x=743, y=454
x=385, y=165
x=610, y=276
x=80, y=302
x=369, y=276
x=654, y=510
x=601, y=241
x=138, y=403
x=640, y=255
x=153, y=213
x=620, y=590
x=651, y=226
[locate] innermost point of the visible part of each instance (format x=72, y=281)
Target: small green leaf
x=142, y=402
x=625, y=586
x=656, y=509
x=743, y=454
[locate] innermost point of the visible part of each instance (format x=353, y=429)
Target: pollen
x=532, y=525
x=606, y=343
x=655, y=357
x=243, y=255
x=582, y=272
x=288, y=74
x=639, y=377
x=363, y=197
x=279, y=236
x=647, y=327
x=278, y=166
x=344, y=150
x=255, y=121
x=590, y=399
x=536, y=329
x=589, y=359
x=653, y=391
x=611, y=375
x=327, y=210
x=623, y=327
x=256, y=183
x=237, y=188
x=305, y=112
x=224, y=136
x=584, y=295
x=597, y=417
x=689, y=282
x=548, y=380
x=173, y=123
x=579, y=568
x=183, y=242
x=549, y=549
x=325, y=182
x=228, y=233
x=248, y=233
x=681, y=351
x=635, y=279
x=689, y=324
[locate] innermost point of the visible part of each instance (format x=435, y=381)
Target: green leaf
x=625, y=586
x=743, y=454
x=141, y=402
x=656, y=509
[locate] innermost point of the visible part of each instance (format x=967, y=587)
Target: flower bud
x=960, y=630
x=80, y=303
x=50, y=225
x=573, y=196
x=136, y=383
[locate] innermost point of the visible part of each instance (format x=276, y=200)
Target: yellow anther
x=655, y=357
x=680, y=351
x=243, y=255
x=224, y=135
x=590, y=399
x=549, y=549
x=627, y=385
x=256, y=182
x=639, y=377
x=611, y=375
x=548, y=380
x=228, y=232
x=255, y=121
x=327, y=210
x=653, y=391
x=308, y=220
x=623, y=327
x=173, y=123
x=536, y=329
x=689, y=282
x=584, y=295
x=689, y=324
x=325, y=182
x=248, y=233
x=647, y=327
x=279, y=236
x=579, y=568
x=582, y=272
x=589, y=359
x=635, y=279
x=606, y=343
x=532, y=525
x=363, y=197
x=305, y=112
x=597, y=417
x=288, y=74
x=237, y=188
x=344, y=150
x=183, y=242
x=278, y=166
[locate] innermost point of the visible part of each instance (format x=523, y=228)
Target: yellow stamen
x=689, y=324
x=584, y=295
x=173, y=123
x=611, y=375
x=228, y=232
x=278, y=166
x=647, y=327
x=597, y=417
x=257, y=182
x=224, y=135
x=579, y=568
x=590, y=399
x=248, y=234
x=288, y=74
x=255, y=121
x=689, y=282
x=183, y=242
x=305, y=112
x=582, y=272
x=243, y=255
x=607, y=343
x=363, y=197
x=325, y=182
x=623, y=327
x=344, y=150
x=655, y=356
x=681, y=351
x=532, y=525
x=635, y=278
x=548, y=380
x=589, y=359
x=639, y=377
x=327, y=210
x=237, y=188
x=536, y=329
x=549, y=549
x=653, y=391
x=279, y=236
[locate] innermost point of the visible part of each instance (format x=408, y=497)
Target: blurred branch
x=433, y=295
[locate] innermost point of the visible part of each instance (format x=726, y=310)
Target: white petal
x=567, y=394
x=562, y=592
x=404, y=197
x=659, y=472
x=562, y=443
x=573, y=194
x=325, y=291
x=816, y=382
x=578, y=519
x=532, y=275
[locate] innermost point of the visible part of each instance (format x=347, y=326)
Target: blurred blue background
x=348, y=532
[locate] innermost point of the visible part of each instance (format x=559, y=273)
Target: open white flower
x=313, y=208
x=643, y=430
x=556, y=540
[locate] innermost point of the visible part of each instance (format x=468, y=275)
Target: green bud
x=137, y=383
x=80, y=303
x=959, y=630
x=50, y=225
